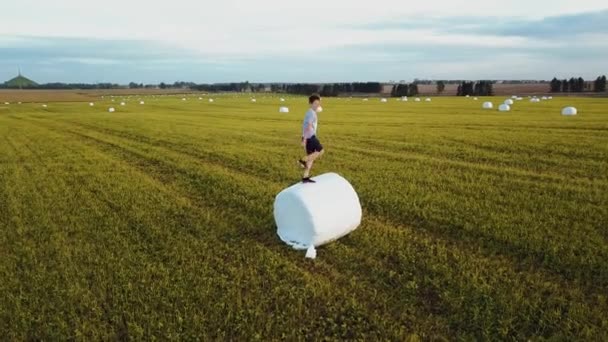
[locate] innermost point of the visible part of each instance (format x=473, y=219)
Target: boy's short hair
x=313, y=98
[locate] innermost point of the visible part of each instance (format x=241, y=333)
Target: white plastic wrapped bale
x=428, y=99
x=111, y=109
x=488, y=105
x=383, y=100
x=44, y=106
x=141, y=102
x=122, y=103
x=508, y=102
x=91, y=104
x=283, y=110
x=475, y=99
x=504, y=108
x=569, y=111
x=210, y=100
x=417, y=99
x=282, y=99
x=319, y=109
x=317, y=213
x=253, y=100
x=404, y=98
x=365, y=100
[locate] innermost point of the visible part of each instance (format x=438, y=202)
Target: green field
x=156, y=221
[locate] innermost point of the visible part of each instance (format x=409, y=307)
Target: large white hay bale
x=475, y=98
x=519, y=98
x=319, y=109
x=282, y=99
x=550, y=98
x=122, y=103
x=365, y=99
x=183, y=99
x=504, y=108
x=210, y=100
x=91, y=104
x=544, y=98
x=514, y=96
x=428, y=99
x=383, y=100
x=200, y=98
x=317, y=213
x=141, y=102
x=534, y=100
x=508, y=102
x=417, y=99
x=111, y=110
x=468, y=95
x=487, y=105
x=569, y=111
x=283, y=110
x=404, y=98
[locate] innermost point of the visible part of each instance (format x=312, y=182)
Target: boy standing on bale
x=314, y=149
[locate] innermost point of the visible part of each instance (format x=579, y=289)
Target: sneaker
x=307, y=180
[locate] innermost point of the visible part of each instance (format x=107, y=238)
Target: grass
x=155, y=222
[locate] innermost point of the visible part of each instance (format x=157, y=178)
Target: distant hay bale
x=253, y=100
x=91, y=104
x=383, y=100
x=569, y=111
x=544, y=98
x=404, y=98
x=111, y=110
x=487, y=105
x=475, y=98
x=210, y=100
x=417, y=99
x=7, y=103
x=319, y=109
x=282, y=99
x=122, y=103
x=44, y=106
x=183, y=99
x=508, y=102
x=141, y=102
x=283, y=110
x=504, y=108
x=534, y=100
x=428, y=99
x=365, y=99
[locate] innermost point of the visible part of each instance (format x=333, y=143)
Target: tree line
x=577, y=85
x=479, y=88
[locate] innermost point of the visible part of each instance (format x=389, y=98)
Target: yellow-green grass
x=156, y=221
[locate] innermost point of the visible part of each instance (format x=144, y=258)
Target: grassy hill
x=20, y=82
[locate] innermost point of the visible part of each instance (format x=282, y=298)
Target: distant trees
x=577, y=85
x=480, y=88
x=600, y=84
x=440, y=87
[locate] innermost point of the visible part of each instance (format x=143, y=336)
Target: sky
x=301, y=41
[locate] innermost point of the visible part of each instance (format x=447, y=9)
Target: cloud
x=271, y=40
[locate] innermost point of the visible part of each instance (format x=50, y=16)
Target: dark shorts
x=313, y=145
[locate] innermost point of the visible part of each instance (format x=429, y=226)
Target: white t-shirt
x=310, y=118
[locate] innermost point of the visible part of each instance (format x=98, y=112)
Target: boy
x=314, y=149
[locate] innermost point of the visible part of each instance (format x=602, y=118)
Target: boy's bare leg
x=310, y=159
